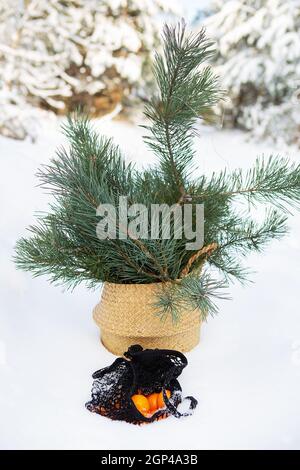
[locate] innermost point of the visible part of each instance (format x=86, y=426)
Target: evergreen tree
x=258, y=58
x=58, y=54
x=64, y=244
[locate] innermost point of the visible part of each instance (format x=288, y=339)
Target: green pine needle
x=63, y=244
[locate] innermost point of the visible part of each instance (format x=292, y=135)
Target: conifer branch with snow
x=258, y=43
x=58, y=55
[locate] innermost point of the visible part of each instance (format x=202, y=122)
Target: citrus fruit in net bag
x=141, y=403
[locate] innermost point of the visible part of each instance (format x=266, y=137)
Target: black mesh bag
x=142, y=372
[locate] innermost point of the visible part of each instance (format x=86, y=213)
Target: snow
x=52, y=50
x=245, y=371
x=258, y=54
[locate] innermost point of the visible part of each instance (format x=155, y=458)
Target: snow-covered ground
x=245, y=372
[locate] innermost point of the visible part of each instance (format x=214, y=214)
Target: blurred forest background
x=58, y=54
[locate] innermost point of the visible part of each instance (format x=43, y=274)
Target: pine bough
x=64, y=245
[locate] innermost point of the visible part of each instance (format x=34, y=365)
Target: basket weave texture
x=126, y=315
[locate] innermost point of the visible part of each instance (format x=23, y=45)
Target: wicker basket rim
x=141, y=284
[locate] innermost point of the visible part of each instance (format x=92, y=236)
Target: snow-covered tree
x=258, y=43
x=58, y=54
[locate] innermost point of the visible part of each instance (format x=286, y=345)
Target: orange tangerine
x=160, y=399
x=152, y=399
x=141, y=404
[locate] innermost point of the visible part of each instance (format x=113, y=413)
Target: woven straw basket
x=126, y=316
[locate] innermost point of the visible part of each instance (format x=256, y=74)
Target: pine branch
x=253, y=236
x=201, y=293
x=185, y=93
x=52, y=253
x=90, y=173
x=230, y=267
x=237, y=236
x=192, y=292
x=274, y=180
x=64, y=244
x=90, y=162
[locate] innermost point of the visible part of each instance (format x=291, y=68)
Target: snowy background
x=245, y=371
